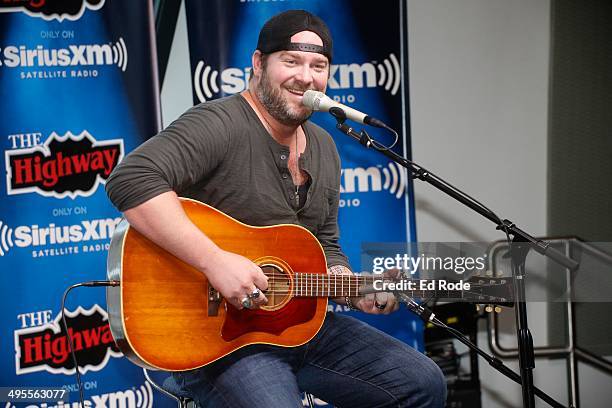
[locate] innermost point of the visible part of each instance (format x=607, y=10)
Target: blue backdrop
x=78, y=89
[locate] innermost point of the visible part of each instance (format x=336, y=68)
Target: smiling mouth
x=296, y=92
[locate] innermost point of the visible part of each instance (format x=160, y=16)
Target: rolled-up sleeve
x=176, y=158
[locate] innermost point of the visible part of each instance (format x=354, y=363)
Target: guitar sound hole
x=279, y=286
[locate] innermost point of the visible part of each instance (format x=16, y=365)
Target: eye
x=290, y=62
x=320, y=67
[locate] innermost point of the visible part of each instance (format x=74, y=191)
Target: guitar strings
x=356, y=288
x=316, y=276
x=321, y=289
x=300, y=276
x=350, y=279
x=353, y=282
x=304, y=282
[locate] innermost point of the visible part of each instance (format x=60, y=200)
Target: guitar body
x=164, y=314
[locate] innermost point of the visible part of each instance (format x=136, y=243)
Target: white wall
x=176, y=90
x=478, y=89
x=479, y=72
x=479, y=78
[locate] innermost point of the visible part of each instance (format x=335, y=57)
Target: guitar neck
x=319, y=285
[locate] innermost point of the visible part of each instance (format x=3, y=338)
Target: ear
x=256, y=63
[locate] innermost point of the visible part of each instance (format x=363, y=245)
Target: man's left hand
x=380, y=302
x=373, y=303
x=377, y=303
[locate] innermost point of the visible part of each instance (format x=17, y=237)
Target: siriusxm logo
x=25, y=236
x=21, y=56
x=391, y=178
x=208, y=82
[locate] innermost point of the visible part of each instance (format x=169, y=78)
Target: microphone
x=318, y=101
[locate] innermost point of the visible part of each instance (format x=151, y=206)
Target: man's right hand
x=163, y=220
x=235, y=277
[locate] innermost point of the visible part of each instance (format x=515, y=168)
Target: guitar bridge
x=214, y=300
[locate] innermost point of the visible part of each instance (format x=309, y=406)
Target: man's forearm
x=163, y=220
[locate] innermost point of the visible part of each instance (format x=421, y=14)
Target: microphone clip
x=339, y=114
x=363, y=136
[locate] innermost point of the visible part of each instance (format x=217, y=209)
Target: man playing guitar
x=256, y=157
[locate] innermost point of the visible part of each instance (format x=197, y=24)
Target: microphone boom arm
x=523, y=242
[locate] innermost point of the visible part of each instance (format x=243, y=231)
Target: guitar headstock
x=492, y=292
x=474, y=289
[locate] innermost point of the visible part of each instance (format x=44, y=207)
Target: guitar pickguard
x=282, y=310
x=241, y=322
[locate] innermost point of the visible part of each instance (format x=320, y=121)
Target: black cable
x=70, y=344
x=381, y=147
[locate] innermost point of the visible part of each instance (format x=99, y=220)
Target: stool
x=170, y=388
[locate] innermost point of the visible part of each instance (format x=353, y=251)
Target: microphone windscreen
x=311, y=99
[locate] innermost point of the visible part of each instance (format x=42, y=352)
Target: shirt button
x=291, y=196
x=283, y=157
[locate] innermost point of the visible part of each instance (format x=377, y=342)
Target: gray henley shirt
x=220, y=153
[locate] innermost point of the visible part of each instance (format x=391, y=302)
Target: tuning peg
x=500, y=274
x=477, y=307
x=488, y=308
x=489, y=273
x=498, y=309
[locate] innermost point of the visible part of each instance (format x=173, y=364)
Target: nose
x=304, y=75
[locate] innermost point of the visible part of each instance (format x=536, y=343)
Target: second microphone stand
x=522, y=242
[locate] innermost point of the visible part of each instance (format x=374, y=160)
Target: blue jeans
x=348, y=364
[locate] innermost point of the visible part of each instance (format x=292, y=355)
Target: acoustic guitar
x=165, y=315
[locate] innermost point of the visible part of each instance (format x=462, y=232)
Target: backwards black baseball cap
x=276, y=33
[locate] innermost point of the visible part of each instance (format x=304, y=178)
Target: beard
x=276, y=104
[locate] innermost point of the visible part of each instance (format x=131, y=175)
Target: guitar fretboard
x=324, y=285
x=313, y=284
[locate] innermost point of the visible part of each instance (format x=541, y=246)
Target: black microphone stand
x=522, y=242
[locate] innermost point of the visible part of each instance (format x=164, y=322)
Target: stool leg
x=309, y=399
x=181, y=402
